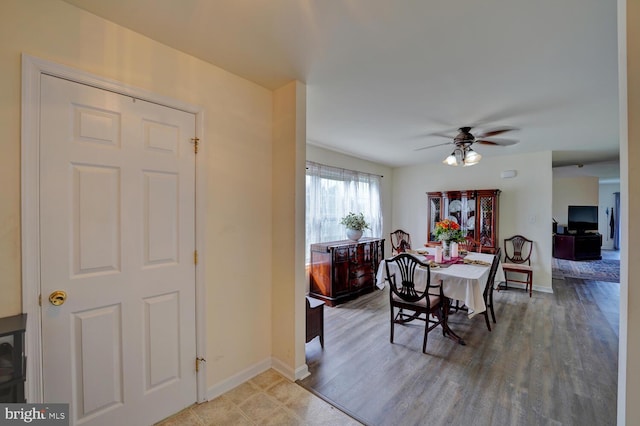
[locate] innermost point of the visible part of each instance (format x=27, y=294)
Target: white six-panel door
x=117, y=199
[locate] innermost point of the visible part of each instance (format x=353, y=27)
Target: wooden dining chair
x=488, y=289
x=487, y=293
x=400, y=241
x=425, y=304
x=470, y=245
x=517, y=260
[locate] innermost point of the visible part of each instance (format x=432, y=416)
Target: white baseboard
x=293, y=375
x=543, y=289
x=539, y=288
x=302, y=372
x=251, y=372
x=237, y=379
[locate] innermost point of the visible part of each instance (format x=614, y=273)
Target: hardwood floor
x=550, y=360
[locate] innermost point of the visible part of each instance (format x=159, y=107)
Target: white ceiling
x=383, y=74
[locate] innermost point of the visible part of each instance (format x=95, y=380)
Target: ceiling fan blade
x=441, y=134
x=433, y=146
x=497, y=142
x=495, y=132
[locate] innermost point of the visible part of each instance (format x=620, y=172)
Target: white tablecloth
x=464, y=282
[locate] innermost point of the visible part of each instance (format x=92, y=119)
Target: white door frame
x=32, y=69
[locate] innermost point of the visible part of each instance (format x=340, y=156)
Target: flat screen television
x=582, y=219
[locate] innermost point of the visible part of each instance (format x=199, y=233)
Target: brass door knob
x=58, y=297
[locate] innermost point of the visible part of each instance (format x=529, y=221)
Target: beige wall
x=237, y=155
x=629, y=360
x=525, y=202
x=573, y=191
x=288, y=303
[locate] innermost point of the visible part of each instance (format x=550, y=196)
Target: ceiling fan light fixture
x=451, y=160
x=471, y=158
x=463, y=154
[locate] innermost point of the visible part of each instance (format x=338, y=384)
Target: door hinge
x=198, y=361
x=195, y=257
x=40, y=300
x=195, y=144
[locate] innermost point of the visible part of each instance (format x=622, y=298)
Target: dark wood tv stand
x=577, y=246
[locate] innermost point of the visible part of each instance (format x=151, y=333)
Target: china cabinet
x=476, y=211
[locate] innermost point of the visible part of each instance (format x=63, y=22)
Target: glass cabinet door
x=435, y=214
x=453, y=207
x=467, y=215
x=487, y=211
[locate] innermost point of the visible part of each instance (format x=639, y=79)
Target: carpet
x=597, y=270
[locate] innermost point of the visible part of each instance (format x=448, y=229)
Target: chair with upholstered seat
x=517, y=260
x=423, y=301
x=400, y=241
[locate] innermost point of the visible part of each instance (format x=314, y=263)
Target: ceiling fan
x=462, y=153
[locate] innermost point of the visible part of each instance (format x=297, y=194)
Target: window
x=331, y=194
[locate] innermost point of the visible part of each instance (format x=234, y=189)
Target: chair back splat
x=520, y=250
x=424, y=299
x=400, y=241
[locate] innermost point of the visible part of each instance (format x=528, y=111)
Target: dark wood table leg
x=446, y=330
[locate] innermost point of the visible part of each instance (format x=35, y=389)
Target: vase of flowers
x=448, y=231
x=446, y=249
x=355, y=224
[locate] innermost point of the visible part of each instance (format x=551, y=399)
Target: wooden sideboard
x=343, y=270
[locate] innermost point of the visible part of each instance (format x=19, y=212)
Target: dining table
x=463, y=278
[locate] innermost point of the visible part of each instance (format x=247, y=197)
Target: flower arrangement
x=449, y=231
x=355, y=221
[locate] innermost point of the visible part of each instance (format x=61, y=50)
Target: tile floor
x=267, y=399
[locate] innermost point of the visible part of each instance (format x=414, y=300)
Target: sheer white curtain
x=332, y=193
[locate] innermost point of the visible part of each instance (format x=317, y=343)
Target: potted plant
x=355, y=224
